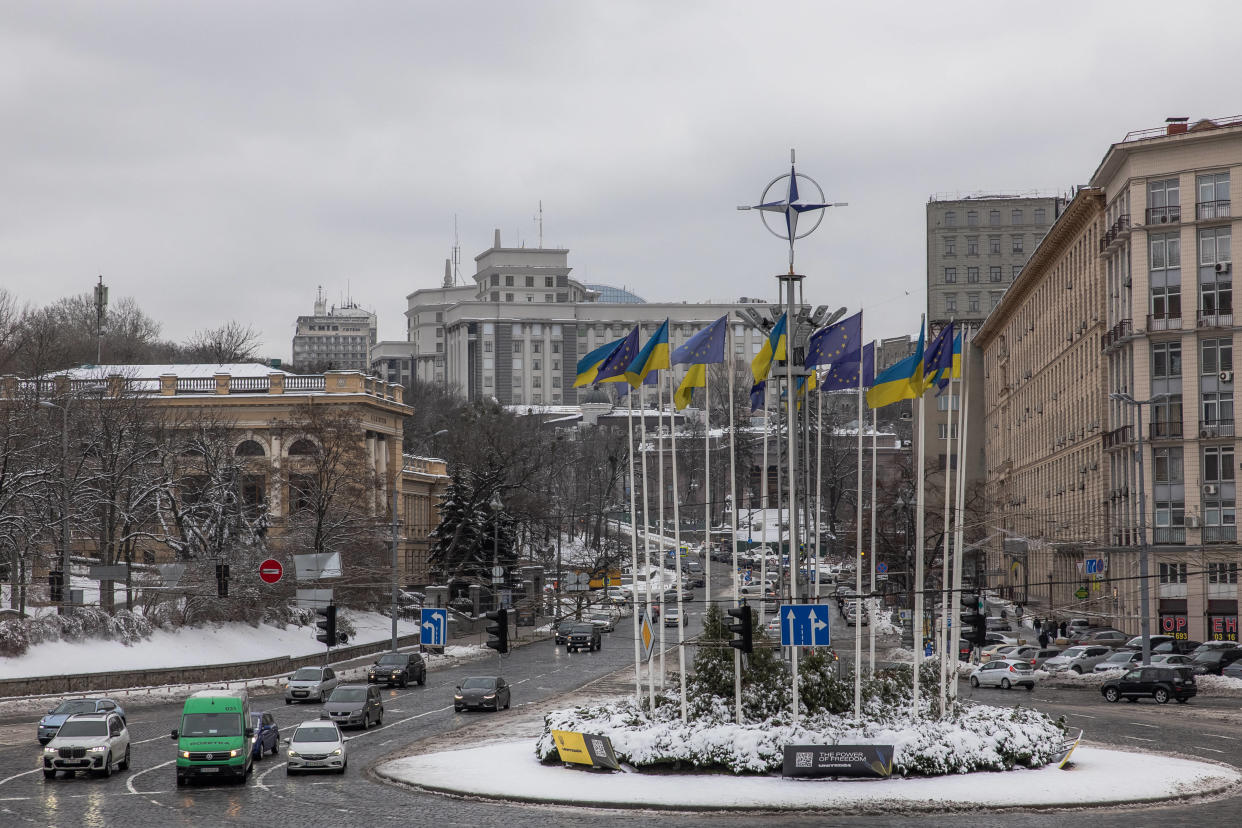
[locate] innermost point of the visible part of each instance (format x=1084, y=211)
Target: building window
x=489, y=328
x=488, y=363
x=996, y=298
x=944, y=401
x=1214, y=247
x=1218, y=408
x=1218, y=464
x=1170, y=513
x=994, y=218
x=950, y=303
x=495, y=296
x=509, y=280
x=1163, y=201
x=301, y=492
x=1016, y=270
x=1220, y=572
x=972, y=275
x=549, y=281
x=1041, y=215
x=556, y=346
x=1166, y=302
x=253, y=490
x=1215, y=355
x=1168, y=465
x=517, y=363
x=517, y=346
x=487, y=346
x=1166, y=360
x=547, y=297
x=536, y=382
x=950, y=275
x=530, y=281
x=972, y=218
x=495, y=280
x=1015, y=217
x=972, y=303
x=508, y=297
x=1172, y=573
x=950, y=246
x=942, y=431
x=556, y=365
x=972, y=245
x=535, y=365
x=1213, y=196
x=487, y=382
x=1165, y=251
x=1216, y=297
x=536, y=347
x=1167, y=409
x=950, y=219
x=994, y=273
x=994, y=245
x=1017, y=243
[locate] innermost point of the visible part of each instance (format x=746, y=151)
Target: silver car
x=1081, y=659
x=310, y=684
x=316, y=745
x=1119, y=660
x=1004, y=673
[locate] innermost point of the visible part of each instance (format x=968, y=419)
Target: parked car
x=1233, y=670
x=672, y=616
x=1177, y=645
x=997, y=650
x=1160, y=683
x=482, y=692
x=316, y=745
x=92, y=742
x=1077, y=659
x=1103, y=638
x=1172, y=660
x=266, y=733
x=398, y=668
x=1136, y=643
x=1214, y=661
x=564, y=627
x=1118, y=660
x=55, y=717
x=584, y=637
x=1003, y=673
x=618, y=595
x=604, y=621
x=310, y=684
x=1077, y=626
x=355, y=704
x=1211, y=645
x=1041, y=657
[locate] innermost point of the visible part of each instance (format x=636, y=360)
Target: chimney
x=1175, y=126
x=496, y=243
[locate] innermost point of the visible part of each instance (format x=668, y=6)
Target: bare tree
x=12, y=331
x=24, y=485
x=231, y=342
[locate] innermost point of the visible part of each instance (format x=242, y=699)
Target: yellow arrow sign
x=646, y=636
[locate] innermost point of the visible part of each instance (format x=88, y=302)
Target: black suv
x=564, y=628
x=1160, y=683
x=584, y=637
x=398, y=668
x=1215, y=660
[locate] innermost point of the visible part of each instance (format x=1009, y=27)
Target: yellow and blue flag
x=843, y=376
x=938, y=360
x=705, y=347
x=836, y=343
x=903, y=380
x=773, y=349
x=758, y=395
x=954, y=372
x=652, y=357
x=588, y=366
x=614, y=367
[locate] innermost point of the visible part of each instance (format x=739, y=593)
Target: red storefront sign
x=1177, y=626
x=1223, y=627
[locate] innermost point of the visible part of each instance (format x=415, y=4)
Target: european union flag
x=843, y=376
x=613, y=369
x=836, y=343
x=758, y=395
x=706, y=346
x=938, y=360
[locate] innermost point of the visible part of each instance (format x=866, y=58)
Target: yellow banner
x=572, y=747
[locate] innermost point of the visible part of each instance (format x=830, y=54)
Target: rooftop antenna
x=101, y=310
x=539, y=222
x=456, y=252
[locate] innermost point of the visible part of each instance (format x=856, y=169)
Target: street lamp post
x=1144, y=606
x=496, y=506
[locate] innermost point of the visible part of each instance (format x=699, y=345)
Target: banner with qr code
x=585, y=749
x=865, y=761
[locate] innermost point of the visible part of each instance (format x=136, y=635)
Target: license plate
x=209, y=770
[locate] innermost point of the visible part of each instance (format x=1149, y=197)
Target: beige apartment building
x=1147, y=241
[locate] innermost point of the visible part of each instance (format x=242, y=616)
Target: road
x=540, y=672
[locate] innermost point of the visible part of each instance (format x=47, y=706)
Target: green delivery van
x=215, y=738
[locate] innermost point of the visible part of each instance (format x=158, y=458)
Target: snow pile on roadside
x=976, y=738
x=1219, y=685
x=1069, y=678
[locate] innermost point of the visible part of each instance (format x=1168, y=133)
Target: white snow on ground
x=190, y=647
x=1098, y=776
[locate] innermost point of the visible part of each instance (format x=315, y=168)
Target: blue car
x=50, y=724
x=266, y=734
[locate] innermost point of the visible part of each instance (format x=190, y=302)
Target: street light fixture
x=496, y=506
x=1144, y=606
x=64, y=504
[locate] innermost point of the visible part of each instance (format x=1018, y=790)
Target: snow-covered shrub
x=14, y=637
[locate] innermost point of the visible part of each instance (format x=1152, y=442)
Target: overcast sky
x=220, y=160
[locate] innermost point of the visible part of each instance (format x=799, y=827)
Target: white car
x=672, y=616
x=1003, y=673
x=88, y=742
x=316, y=745
x=310, y=684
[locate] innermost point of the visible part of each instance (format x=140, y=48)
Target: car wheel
x=124, y=762
x=380, y=720
x=288, y=771
x=1077, y=669
x=1005, y=683
x=974, y=681
x=288, y=701
x=49, y=774
x=181, y=780
x=106, y=770
x=1162, y=695
x=1113, y=696
x=456, y=709
x=366, y=722
x=405, y=682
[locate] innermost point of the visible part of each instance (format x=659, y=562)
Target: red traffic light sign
x=270, y=571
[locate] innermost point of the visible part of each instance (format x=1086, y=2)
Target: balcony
x=1215, y=319
x=1120, y=331
x=1165, y=535
x=1209, y=210
x=1220, y=534
x=1161, y=322
x=1119, y=229
x=1164, y=430
x=1212, y=429
x=1164, y=215
x=1118, y=437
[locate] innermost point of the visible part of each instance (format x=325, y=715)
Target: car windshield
x=482, y=683
x=67, y=707
x=211, y=724
x=316, y=733
x=584, y=628
x=348, y=694
x=392, y=658
x=1120, y=657
x=307, y=674
x=1074, y=652
x=92, y=727
x=598, y=617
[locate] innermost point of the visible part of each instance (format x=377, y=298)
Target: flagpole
x=920, y=492
x=707, y=487
x=875, y=416
x=859, y=609
x=763, y=500
x=660, y=535
x=681, y=610
x=737, y=595
x=946, y=536
x=959, y=554
x=819, y=488
x=642, y=443
x=638, y=653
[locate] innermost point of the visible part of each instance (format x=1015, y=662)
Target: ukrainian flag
x=901, y=381
x=652, y=357
x=588, y=366
x=773, y=349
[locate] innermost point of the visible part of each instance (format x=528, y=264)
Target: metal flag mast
x=638, y=675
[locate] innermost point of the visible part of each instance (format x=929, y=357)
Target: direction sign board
x=1095, y=566
x=434, y=629
x=804, y=625
x=270, y=571
x=646, y=636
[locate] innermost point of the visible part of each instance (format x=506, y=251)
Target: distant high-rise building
x=336, y=338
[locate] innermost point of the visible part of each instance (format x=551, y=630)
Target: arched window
x=303, y=448
x=249, y=448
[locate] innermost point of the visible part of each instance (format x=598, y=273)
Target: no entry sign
x=270, y=571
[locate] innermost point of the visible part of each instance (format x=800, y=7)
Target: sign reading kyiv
x=804, y=625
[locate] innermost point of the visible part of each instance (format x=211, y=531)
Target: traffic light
x=222, y=580
x=979, y=629
x=498, y=630
x=744, y=628
x=327, y=625
x=56, y=586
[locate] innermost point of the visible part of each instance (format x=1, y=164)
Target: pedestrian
x=1035, y=625
x=1064, y=627
x=1043, y=638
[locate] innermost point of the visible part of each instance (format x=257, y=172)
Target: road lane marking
x=19, y=775
x=1200, y=747
x=1218, y=736
x=1140, y=739
x=129, y=783
x=1140, y=724
x=1082, y=715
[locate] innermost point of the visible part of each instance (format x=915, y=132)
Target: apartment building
x=335, y=338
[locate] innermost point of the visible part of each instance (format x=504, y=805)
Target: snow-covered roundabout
x=1096, y=777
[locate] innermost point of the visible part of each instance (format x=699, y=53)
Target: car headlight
x=97, y=749
x=185, y=754
x=490, y=696
x=292, y=752
x=457, y=695
x=336, y=752
x=49, y=751
x=234, y=753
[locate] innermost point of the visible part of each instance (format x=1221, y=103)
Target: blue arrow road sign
x=434, y=631
x=804, y=625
